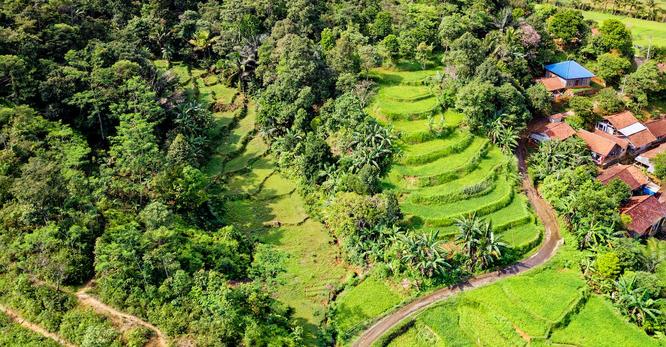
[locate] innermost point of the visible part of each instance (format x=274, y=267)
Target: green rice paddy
x=264, y=204
x=544, y=307
x=445, y=171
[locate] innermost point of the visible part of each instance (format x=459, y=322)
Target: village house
x=560, y=117
x=646, y=158
x=625, y=126
x=605, y=148
x=633, y=176
x=565, y=75
x=549, y=131
x=658, y=128
x=647, y=215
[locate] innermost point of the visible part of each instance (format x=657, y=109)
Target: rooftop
x=654, y=152
x=560, y=131
x=551, y=83
x=644, y=211
x=629, y=174
x=642, y=138
x=597, y=143
x=657, y=127
x=569, y=70
x=622, y=120
x=560, y=116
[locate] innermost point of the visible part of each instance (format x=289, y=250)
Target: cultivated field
x=546, y=306
x=263, y=203
x=445, y=171
x=645, y=32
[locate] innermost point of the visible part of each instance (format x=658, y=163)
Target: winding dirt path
x=552, y=240
x=120, y=318
x=16, y=318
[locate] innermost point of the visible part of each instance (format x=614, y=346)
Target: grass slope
x=263, y=203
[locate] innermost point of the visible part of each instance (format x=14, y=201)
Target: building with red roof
x=605, y=148
x=550, y=131
x=648, y=215
x=624, y=125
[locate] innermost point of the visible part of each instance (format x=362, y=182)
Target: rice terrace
x=333, y=173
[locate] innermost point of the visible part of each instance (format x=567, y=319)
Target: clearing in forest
x=262, y=202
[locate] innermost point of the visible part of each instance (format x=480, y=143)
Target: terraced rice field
x=549, y=306
x=265, y=205
x=445, y=171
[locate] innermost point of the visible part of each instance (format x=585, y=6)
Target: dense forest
x=102, y=151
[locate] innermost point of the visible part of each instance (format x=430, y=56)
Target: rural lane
x=552, y=240
x=14, y=316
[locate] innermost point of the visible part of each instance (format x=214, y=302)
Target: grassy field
x=546, y=306
x=643, y=31
x=265, y=204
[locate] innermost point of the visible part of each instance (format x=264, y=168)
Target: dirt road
x=34, y=327
x=552, y=240
x=119, y=318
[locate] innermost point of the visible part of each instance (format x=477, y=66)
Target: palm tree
x=468, y=231
x=505, y=137
x=490, y=246
x=595, y=235
x=423, y=252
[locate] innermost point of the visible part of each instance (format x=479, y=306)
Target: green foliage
x=613, y=36
x=553, y=156
x=538, y=99
x=608, y=102
x=611, y=67
x=644, y=84
x=659, y=163
x=584, y=110
x=567, y=25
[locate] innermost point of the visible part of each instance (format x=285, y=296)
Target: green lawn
x=404, y=93
x=643, y=31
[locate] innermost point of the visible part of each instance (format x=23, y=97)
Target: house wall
x=645, y=162
x=572, y=83
x=578, y=83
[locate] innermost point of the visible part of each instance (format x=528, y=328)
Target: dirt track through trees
x=120, y=318
x=552, y=240
x=16, y=318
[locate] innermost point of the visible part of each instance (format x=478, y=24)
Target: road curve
x=14, y=316
x=552, y=240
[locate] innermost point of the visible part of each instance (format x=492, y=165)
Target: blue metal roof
x=569, y=70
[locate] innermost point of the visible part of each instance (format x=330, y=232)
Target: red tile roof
x=619, y=141
x=551, y=83
x=597, y=143
x=644, y=211
x=628, y=174
x=560, y=131
x=642, y=138
x=655, y=151
x=622, y=119
x=657, y=127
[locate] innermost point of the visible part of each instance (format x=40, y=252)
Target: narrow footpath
x=123, y=319
x=552, y=240
x=16, y=318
